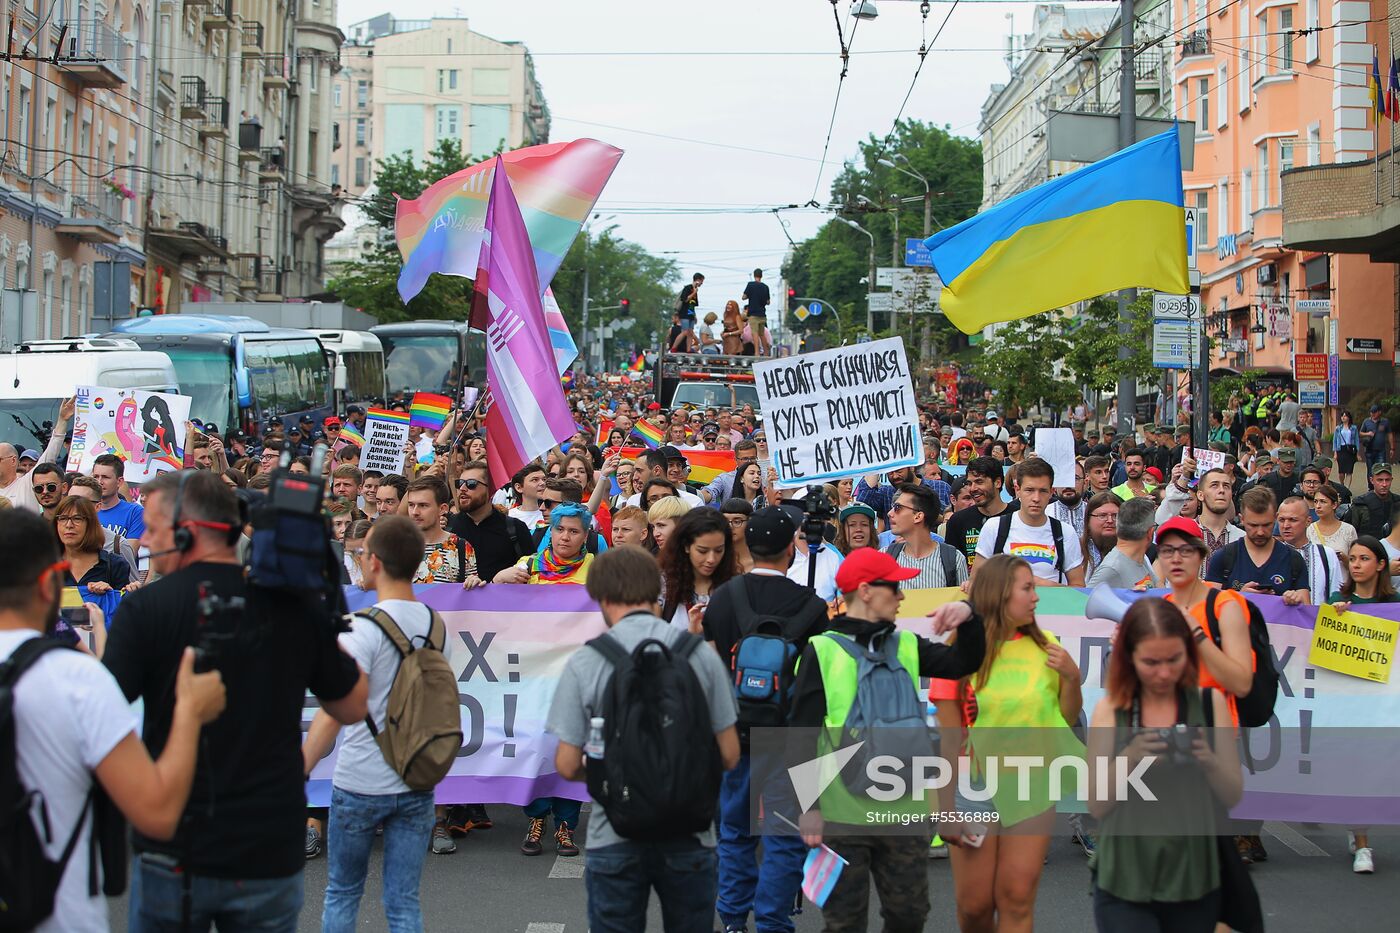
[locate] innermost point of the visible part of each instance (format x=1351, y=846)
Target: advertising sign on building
x=1310, y=367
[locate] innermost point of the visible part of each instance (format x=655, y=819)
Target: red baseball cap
x=868, y=565
x=1182, y=526
x=332, y=422
x=654, y=406
x=1154, y=473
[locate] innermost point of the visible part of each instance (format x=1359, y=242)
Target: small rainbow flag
x=648, y=433
x=605, y=426
x=429, y=411
x=567, y=380
x=705, y=465
x=348, y=432
x=386, y=414
x=638, y=364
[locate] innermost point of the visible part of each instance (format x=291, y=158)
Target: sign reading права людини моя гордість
x=839, y=412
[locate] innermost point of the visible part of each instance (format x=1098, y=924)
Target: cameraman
x=239, y=850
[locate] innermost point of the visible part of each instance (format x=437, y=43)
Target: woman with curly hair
x=695, y=560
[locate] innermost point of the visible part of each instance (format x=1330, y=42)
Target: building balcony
x=249, y=141
x=188, y=240
x=166, y=95
x=212, y=122
x=94, y=213
x=1347, y=207
x=270, y=280
x=245, y=271
x=275, y=73
x=1194, y=44
x=93, y=53
x=192, y=94
x=218, y=14
x=1147, y=67
x=272, y=162
x=253, y=36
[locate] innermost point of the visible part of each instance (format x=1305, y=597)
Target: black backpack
x=764, y=662
x=1256, y=708
x=28, y=879
x=947, y=556
x=1057, y=535
x=659, y=777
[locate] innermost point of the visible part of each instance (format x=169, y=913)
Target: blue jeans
x=408, y=828
x=268, y=905
x=620, y=878
x=565, y=811
x=768, y=889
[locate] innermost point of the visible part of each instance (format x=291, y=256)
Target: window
x=447, y=79
x=1246, y=200
x=1222, y=99
x=312, y=72
x=360, y=181
x=1203, y=105
x=491, y=82
x=361, y=131
x=1315, y=144
x=1202, y=219
x=449, y=122
x=335, y=173
x=1310, y=43
x=1201, y=11
x=336, y=96
x=1285, y=155
x=1242, y=78
x=312, y=149
x=1285, y=39
x=1222, y=224
x=362, y=94
x=1261, y=46
x=1265, y=188
x=24, y=135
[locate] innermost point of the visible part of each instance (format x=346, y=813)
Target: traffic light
x=625, y=307
x=792, y=298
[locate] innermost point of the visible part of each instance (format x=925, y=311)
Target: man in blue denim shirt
x=626, y=583
x=881, y=497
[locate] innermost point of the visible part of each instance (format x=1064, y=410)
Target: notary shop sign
x=1226, y=245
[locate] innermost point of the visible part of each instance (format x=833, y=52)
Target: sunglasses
x=891, y=585
x=46, y=488
x=469, y=483
x=547, y=504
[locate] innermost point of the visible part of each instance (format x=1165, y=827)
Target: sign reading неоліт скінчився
x=839, y=412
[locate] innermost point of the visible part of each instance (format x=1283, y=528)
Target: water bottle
x=594, y=747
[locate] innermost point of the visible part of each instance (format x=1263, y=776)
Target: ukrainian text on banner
x=1294, y=777
x=145, y=429
x=507, y=645
x=385, y=434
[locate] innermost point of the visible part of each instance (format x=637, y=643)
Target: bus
x=433, y=356
x=357, y=362
x=239, y=372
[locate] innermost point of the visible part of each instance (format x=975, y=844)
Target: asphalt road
x=1307, y=885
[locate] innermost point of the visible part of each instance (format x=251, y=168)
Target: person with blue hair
x=561, y=557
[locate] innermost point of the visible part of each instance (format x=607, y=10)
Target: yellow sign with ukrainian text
x=1354, y=644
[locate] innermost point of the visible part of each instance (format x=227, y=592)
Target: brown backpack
x=423, y=721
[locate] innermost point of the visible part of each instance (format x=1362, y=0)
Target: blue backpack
x=763, y=661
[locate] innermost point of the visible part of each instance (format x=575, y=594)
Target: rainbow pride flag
x=638, y=364
x=556, y=185
x=429, y=411
x=705, y=465
x=605, y=426
x=388, y=414
x=567, y=380
x=648, y=433
x=348, y=432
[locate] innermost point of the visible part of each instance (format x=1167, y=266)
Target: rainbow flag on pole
x=648, y=433
x=429, y=411
x=351, y=434
x=556, y=185
x=388, y=414
x=638, y=364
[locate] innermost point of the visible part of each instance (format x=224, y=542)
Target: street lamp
x=928, y=194
x=869, y=315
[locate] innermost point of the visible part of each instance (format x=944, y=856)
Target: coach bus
x=357, y=367
x=433, y=356
x=238, y=371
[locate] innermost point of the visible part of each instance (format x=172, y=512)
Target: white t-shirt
x=360, y=767
x=21, y=493
x=688, y=497
x=828, y=562
x=1035, y=545
x=69, y=715
x=1325, y=575
x=532, y=519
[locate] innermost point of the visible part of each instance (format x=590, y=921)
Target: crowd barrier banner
x=509, y=644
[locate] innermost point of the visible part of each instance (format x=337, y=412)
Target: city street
x=488, y=885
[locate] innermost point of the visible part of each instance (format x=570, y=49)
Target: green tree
x=1094, y=341
x=1017, y=362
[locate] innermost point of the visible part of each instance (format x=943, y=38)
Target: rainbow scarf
x=549, y=567
x=429, y=411
x=649, y=434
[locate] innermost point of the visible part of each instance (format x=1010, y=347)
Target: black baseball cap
x=354, y=410
x=769, y=530
x=670, y=453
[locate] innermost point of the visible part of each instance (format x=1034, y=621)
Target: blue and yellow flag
x=1115, y=224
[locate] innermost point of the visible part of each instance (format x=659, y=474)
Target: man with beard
x=1216, y=493
x=498, y=540
x=1101, y=529
x=1259, y=563
x=1069, y=504
x=1016, y=448
x=1370, y=512
x=985, y=480
x=1134, y=466
x=881, y=496
x=49, y=488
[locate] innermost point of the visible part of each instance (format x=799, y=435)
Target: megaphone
x=1104, y=603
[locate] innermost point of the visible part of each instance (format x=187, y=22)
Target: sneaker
x=477, y=817
x=443, y=843
x=315, y=845
x=456, y=820
x=1245, y=850
x=1351, y=843
x=531, y=845
x=938, y=848
x=1363, y=864
x=1081, y=836
x=1256, y=849
x=564, y=841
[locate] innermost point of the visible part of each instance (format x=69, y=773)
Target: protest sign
x=508, y=646
x=385, y=434
x=1207, y=459
x=145, y=429
x=1354, y=644
x=1056, y=447
x=839, y=412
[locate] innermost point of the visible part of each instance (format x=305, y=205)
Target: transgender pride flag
x=820, y=873
x=529, y=413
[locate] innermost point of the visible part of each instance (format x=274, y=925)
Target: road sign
x=801, y=313
x=1313, y=305
x=1176, y=307
x=916, y=253
x=884, y=276
x=1363, y=345
x=1334, y=379
x=815, y=308
x=880, y=302
x=1233, y=345
x=1174, y=344
x=1312, y=394
x=1310, y=367
x=1190, y=238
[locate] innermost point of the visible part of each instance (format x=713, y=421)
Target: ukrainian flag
x=1118, y=223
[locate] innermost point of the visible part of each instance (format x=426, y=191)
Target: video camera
x=817, y=511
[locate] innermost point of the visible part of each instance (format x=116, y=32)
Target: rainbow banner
x=429, y=411
x=556, y=185
x=705, y=465
x=649, y=434
x=605, y=426
x=388, y=414
x=351, y=434
x=508, y=646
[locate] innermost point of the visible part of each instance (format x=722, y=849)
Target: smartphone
x=76, y=616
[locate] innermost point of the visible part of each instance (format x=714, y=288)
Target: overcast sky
x=724, y=106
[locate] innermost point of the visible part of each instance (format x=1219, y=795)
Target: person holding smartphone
x=1259, y=563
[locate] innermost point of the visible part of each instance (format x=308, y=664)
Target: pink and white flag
x=530, y=413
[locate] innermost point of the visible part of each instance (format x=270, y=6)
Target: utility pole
x=1127, y=135
x=583, y=337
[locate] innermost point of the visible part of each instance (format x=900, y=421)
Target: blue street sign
x=916, y=253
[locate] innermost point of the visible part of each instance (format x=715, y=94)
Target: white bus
x=358, y=361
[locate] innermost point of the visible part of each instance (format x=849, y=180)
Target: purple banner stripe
x=488, y=789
